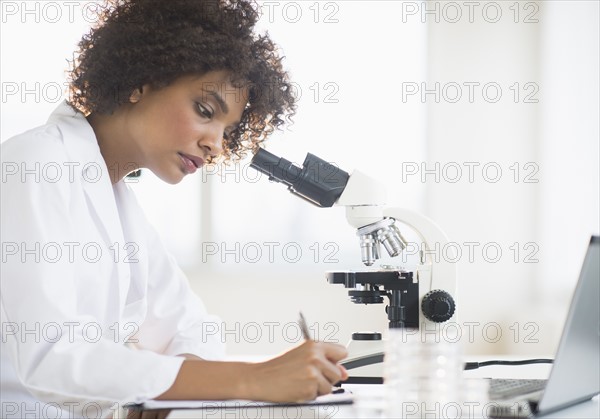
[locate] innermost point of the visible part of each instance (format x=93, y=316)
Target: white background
x=355, y=63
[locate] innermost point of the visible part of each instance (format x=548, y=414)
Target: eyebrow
x=218, y=99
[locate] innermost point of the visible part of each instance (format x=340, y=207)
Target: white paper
x=341, y=398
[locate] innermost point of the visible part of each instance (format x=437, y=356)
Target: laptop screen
x=575, y=375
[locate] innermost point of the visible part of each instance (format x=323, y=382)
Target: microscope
x=417, y=300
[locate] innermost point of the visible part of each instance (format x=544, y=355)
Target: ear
x=136, y=95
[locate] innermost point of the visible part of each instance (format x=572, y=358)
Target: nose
x=212, y=142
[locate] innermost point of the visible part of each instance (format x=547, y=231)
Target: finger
x=153, y=414
x=162, y=414
x=334, y=352
x=324, y=386
x=343, y=372
x=330, y=371
x=133, y=414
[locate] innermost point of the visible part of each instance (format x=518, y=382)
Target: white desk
x=370, y=403
x=585, y=410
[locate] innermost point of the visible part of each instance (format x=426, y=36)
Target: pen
x=304, y=327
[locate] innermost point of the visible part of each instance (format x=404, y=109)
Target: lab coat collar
x=78, y=135
x=82, y=148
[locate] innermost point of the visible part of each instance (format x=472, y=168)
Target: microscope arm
x=364, y=199
x=434, y=241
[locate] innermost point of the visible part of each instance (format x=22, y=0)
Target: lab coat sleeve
x=44, y=326
x=177, y=321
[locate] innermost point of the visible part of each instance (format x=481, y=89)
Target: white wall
x=491, y=132
x=569, y=151
x=554, y=142
x=373, y=53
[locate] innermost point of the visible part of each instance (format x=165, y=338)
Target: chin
x=170, y=178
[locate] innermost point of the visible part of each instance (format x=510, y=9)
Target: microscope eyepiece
x=317, y=181
x=277, y=168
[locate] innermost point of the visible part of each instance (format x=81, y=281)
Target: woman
x=95, y=312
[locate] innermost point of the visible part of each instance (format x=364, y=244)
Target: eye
x=205, y=111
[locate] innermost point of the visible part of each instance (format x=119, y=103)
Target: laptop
x=575, y=374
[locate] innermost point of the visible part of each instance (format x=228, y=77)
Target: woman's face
x=177, y=128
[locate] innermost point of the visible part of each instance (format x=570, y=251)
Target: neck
x=118, y=151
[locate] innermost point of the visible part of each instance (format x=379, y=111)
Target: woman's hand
x=301, y=374
x=305, y=372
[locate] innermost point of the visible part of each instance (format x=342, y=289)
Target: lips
x=191, y=163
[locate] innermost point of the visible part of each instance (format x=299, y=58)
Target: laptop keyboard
x=509, y=388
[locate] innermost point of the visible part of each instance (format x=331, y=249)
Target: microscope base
x=365, y=360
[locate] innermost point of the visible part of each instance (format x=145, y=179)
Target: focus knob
x=438, y=306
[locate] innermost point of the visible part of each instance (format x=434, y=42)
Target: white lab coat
x=83, y=275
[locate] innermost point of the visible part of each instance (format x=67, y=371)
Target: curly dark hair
x=137, y=42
